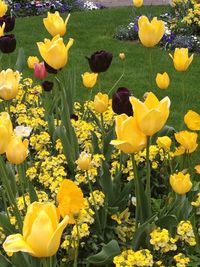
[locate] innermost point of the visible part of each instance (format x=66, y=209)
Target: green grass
x=94, y=31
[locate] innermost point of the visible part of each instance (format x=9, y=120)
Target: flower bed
x=103, y=183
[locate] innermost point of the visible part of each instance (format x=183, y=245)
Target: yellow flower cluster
x=130, y=258
x=161, y=240
x=181, y=260
x=186, y=233
x=179, y=2
x=197, y=202
x=159, y=263
x=98, y=198
x=193, y=15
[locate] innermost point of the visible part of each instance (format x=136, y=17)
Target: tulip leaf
x=165, y=131
x=21, y=61
x=4, y=262
x=6, y=225
x=95, y=143
x=32, y=193
x=107, y=151
x=106, y=255
x=168, y=222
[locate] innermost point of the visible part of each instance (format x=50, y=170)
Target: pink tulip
x=40, y=71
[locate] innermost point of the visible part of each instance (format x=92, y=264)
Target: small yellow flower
x=31, y=61
x=150, y=33
x=164, y=142
x=192, y=120
x=137, y=3
x=2, y=29
x=122, y=56
x=180, y=182
x=101, y=102
x=89, y=79
x=162, y=80
x=3, y=8
x=70, y=199
x=84, y=161
x=181, y=59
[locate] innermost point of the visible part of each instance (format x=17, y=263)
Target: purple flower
x=7, y=43
x=121, y=103
x=100, y=61
x=9, y=21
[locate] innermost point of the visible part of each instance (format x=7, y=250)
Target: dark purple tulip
x=9, y=21
x=47, y=86
x=74, y=117
x=50, y=69
x=121, y=103
x=100, y=61
x=7, y=43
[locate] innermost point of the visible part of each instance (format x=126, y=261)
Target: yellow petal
x=151, y=123
x=151, y=101
x=15, y=243
x=192, y=120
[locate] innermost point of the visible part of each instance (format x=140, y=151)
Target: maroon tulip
x=7, y=43
x=47, y=86
x=121, y=103
x=50, y=69
x=9, y=22
x=100, y=61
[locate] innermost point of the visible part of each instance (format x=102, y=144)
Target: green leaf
x=168, y=222
x=106, y=255
x=95, y=141
x=106, y=182
x=4, y=262
x=107, y=147
x=21, y=61
x=6, y=225
x=32, y=193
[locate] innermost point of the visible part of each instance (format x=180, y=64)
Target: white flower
x=23, y=131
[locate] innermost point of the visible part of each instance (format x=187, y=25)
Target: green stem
x=102, y=130
x=76, y=249
x=90, y=97
x=115, y=84
x=151, y=69
x=95, y=205
x=148, y=178
x=137, y=189
x=183, y=100
x=22, y=183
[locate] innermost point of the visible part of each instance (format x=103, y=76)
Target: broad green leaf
x=4, y=262
x=21, y=61
x=32, y=193
x=6, y=225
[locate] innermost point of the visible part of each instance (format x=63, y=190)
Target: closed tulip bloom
x=41, y=232
x=6, y=131
x=9, y=84
x=192, y=120
x=162, y=80
x=55, y=24
x=150, y=33
x=151, y=115
x=84, y=161
x=100, y=61
x=187, y=140
x=121, y=103
x=3, y=8
x=31, y=61
x=101, y=102
x=122, y=56
x=2, y=29
x=89, y=79
x=55, y=52
x=47, y=86
x=9, y=22
x=181, y=59
x=40, y=71
x=17, y=151
x=164, y=142
x=197, y=169
x=180, y=183
x=8, y=43
x=137, y=3
x=130, y=139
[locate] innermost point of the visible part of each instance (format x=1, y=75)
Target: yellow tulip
x=31, y=61
x=41, y=232
x=164, y=142
x=16, y=151
x=9, y=84
x=84, y=161
x=129, y=137
x=192, y=120
x=122, y=56
x=150, y=33
x=197, y=169
x=137, y=3
x=180, y=183
x=2, y=29
x=187, y=140
x=55, y=24
x=162, y=80
x=151, y=115
x=101, y=102
x=89, y=79
x=6, y=131
x=181, y=59
x=3, y=8
x=55, y=52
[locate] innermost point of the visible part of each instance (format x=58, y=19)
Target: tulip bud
x=7, y=43
x=9, y=21
x=84, y=161
x=162, y=80
x=197, y=169
x=137, y=3
x=40, y=71
x=100, y=61
x=3, y=8
x=121, y=103
x=122, y=56
x=164, y=142
x=181, y=59
x=47, y=86
x=180, y=183
x=101, y=102
x=16, y=151
x=9, y=84
x=31, y=61
x=89, y=79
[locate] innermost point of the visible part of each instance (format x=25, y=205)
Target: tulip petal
x=40, y=234
x=151, y=101
x=152, y=122
x=54, y=243
x=15, y=243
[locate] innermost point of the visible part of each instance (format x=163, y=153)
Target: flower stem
x=22, y=183
x=137, y=193
x=76, y=249
x=151, y=69
x=148, y=178
x=102, y=131
x=115, y=84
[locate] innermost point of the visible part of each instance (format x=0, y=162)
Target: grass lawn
x=94, y=31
